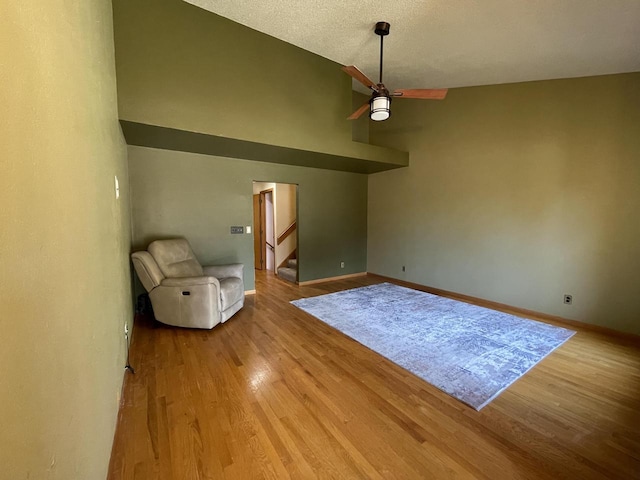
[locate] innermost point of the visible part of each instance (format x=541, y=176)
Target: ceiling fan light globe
x=380, y=109
x=379, y=116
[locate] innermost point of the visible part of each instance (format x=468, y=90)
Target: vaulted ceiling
x=440, y=43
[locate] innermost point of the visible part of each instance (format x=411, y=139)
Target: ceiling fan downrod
x=382, y=29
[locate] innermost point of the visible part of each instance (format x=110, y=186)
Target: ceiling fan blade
x=358, y=112
x=424, y=93
x=353, y=71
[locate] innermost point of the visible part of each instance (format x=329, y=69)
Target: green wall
x=185, y=68
x=360, y=127
x=518, y=194
x=200, y=196
x=65, y=239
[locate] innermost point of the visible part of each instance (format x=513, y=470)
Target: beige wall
x=64, y=240
x=285, y=203
x=201, y=196
x=518, y=194
x=261, y=186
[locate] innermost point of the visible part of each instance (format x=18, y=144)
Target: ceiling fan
x=380, y=102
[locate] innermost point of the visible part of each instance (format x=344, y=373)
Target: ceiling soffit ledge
x=154, y=136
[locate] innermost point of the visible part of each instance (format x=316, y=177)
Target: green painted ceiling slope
x=185, y=69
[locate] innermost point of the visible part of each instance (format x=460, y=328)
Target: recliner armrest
x=147, y=269
x=225, y=271
x=190, y=281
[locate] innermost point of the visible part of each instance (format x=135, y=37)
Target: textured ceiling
x=443, y=43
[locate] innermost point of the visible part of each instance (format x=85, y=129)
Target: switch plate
x=247, y=229
x=341, y=264
x=237, y=230
x=117, y=185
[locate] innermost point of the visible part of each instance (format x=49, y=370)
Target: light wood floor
x=275, y=393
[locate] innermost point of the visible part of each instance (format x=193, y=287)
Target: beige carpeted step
x=288, y=274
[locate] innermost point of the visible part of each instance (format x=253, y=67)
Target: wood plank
x=276, y=393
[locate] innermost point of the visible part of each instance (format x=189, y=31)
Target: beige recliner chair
x=182, y=292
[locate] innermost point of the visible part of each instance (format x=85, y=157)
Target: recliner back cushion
x=175, y=258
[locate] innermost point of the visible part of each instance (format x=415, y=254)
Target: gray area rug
x=470, y=352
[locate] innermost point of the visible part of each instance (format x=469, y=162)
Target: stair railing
x=288, y=231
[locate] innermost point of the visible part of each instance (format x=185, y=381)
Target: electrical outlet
x=341, y=264
x=568, y=299
x=126, y=329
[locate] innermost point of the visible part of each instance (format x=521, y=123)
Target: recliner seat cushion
x=231, y=290
x=175, y=258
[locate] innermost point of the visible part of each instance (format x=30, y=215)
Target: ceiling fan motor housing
x=382, y=92
x=380, y=104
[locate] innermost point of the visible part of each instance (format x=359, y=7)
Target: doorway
x=275, y=240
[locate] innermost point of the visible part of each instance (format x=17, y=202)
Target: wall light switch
x=247, y=229
x=117, y=185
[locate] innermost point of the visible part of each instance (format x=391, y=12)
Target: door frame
x=258, y=258
x=260, y=220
